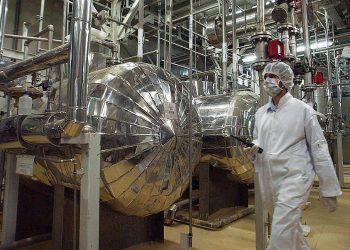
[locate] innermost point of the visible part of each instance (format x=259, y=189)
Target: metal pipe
x=260, y=15
x=41, y=19
x=158, y=34
x=3, y=14
x=224, y=86
x=234, y=48
x=145, y=54
x=329, y=65
x=306, y=38
x=28, y=38
x=63, y=36
x=190, y=42
x=339, y=89
x=78, y=63
x=16, y=24
x=121, y=23
x=170, y=21
x=140, y=32
x=165, y=38
x=55, y=56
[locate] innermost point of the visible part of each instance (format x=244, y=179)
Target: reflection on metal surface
x=203, y=88
x=228, y=114
x=141, y=112
x=224, y=115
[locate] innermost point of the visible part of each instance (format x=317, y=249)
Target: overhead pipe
x=78, y=65
x=53, y=57
x=3, y=14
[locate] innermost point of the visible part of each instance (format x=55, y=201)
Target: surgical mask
x=271, y=87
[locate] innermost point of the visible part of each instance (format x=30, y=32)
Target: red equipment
x=275, y=49
x=318, y=77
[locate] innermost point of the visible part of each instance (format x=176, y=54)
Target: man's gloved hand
x=330, y=203
x=251, y=151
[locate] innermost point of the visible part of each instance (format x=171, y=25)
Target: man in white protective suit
x=294, y=150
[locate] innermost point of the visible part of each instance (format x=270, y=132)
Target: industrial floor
x=328, y=230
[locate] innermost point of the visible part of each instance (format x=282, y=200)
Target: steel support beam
x=10, y=201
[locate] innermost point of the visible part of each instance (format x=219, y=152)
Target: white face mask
x=271, y=86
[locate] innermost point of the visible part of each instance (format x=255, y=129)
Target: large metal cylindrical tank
x=222, y=116
x=141, y=112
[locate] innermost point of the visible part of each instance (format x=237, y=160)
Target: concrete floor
x=328, y=230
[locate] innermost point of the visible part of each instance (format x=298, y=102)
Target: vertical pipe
x=158, y=33
x=293, y=42
x=41, y=20
x=3, y=14
x=306, y=38
x=224, y=86
x=78, y=61
x=140, y=32
x=16, y=25
x=63, y=35
x=329, y=65
x=260, y=5
x=116, y=6
x=165, y=35
x=170, y=21
x=234, y=48
x=339, y=90
x=190, y=42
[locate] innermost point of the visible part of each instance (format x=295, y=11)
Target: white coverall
x=294, y=150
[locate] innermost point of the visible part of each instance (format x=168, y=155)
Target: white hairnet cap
x=282, y=70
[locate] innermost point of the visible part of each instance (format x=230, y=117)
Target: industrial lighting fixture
x=320, y=45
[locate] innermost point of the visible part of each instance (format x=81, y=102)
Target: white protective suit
x=294, y=150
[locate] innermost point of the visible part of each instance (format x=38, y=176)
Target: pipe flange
x=289, y=58
x=285, y=27
x=263, y=36
x=260, y=65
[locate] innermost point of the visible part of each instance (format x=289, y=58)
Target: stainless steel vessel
x=222, y=116
x=141, y=112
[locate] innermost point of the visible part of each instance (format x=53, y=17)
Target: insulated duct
x=78, y=64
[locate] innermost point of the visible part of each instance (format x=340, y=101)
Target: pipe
x=170, y=20
x=339, y=85
x=329, y=65
x=63, y=35
x=41, y=19
x=224, y=86
x=3, y=14
x=140, y=35
x=158, y=34
x=217, y=224
x=234, y=48
x=190, y=41
x=78, y=64
x=306, y=38
x=16, y=24
x=55, y=56
x=260, y=15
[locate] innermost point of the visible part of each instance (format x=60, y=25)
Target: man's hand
x=330, y=203
x=251, y=151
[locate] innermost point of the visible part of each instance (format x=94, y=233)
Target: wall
x=28, y=11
